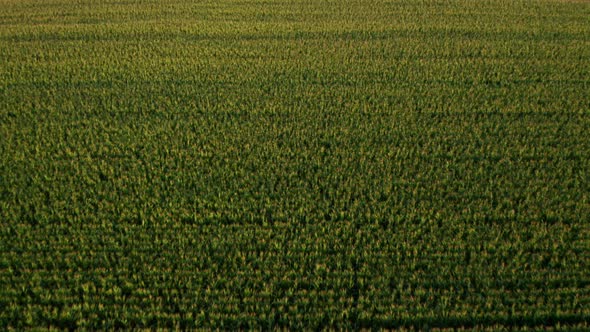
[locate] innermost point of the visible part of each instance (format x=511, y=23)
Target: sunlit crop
x=229, y=164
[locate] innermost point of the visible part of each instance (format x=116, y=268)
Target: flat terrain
x=296, y=164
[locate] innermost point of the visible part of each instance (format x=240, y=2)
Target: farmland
x=295, y=164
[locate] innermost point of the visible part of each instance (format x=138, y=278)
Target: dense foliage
x=299, y=164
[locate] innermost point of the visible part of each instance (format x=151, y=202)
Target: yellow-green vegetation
x=295, y=164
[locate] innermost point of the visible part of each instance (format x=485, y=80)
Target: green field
x=299, y=164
